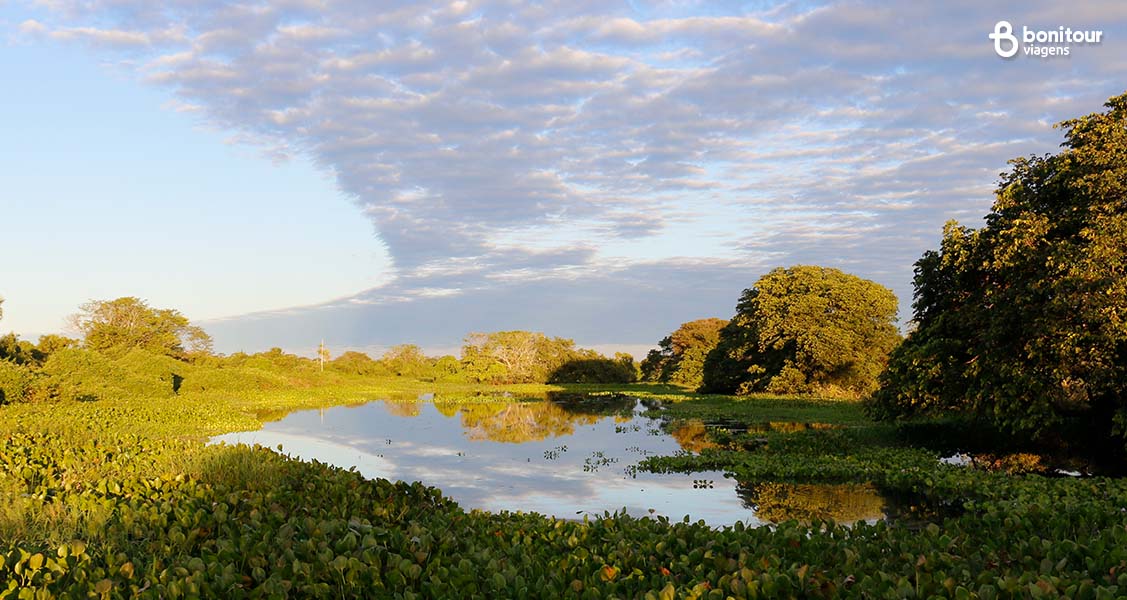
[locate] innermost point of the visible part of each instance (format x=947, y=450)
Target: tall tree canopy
x=518, y=356
x=1023, y=322
x=680, y=358
x=117, y=326
x=805, y=329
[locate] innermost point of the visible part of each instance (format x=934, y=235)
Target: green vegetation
x=529, y=357
x=811, y=330
x=116, y=498
x=1023, y=323
x=112, y=326
x=620, y=369
x=109, y=490
x=680, y=359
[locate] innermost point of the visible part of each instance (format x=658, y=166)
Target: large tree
x=117, y=326
x=805, y=329
x=1023, y=322
x=680, y=358
x=518, y=356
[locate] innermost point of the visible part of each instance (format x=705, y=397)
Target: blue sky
x=409, y=172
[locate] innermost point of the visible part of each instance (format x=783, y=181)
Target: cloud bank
x=605, y=171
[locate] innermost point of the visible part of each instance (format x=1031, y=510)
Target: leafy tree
x=681, y=357
x=116, y=326
x=22, y=352
x=480, y=367
x=17, y=382
x=52, y=343
x=448, y=368
x=1023, y=323
x=805, y=329
x=406, y=360
x=357, y=363
x=596, y=370
x=522, y=356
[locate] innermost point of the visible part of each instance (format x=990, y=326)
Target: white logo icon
x=1003, y=31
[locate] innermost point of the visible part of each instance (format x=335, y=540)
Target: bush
x=17, y=382
x=595, y=370
x=231, y=379
x=76, y=374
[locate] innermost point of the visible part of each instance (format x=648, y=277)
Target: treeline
x=128, y=348
x=497, y=358
x=802, y=330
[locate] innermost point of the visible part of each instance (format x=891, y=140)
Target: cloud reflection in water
x=557, y=458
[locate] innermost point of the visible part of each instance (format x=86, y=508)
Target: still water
x=565, y=456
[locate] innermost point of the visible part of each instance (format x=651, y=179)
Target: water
x=564, y=457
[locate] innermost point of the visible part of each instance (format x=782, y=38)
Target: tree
x=406, y=360
x=52, y=343
x=323, y=354
x=18, y=351
x=805, y=329
x=116, y=326
x=357, y=363
x=519, y=356
x=681, y=356
x=596, y=370
x=1023, y=323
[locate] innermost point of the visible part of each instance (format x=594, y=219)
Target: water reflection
x=565, y=455
x=693, y=436
x=768, y=426
x=843, y=503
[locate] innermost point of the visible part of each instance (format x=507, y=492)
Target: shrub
x=17, y=382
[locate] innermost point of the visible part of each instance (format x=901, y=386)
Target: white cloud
x=844, y=134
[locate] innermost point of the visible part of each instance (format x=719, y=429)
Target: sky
x=376, y=173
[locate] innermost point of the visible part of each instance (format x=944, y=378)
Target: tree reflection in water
x=805, y=502
x=692, y=435
x=525, y=419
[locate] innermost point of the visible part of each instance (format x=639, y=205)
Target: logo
x=1004, y=32
x=1040, y=43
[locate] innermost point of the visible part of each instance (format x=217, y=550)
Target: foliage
x=116, y=326
x=13, y=349
x=110, y=499
x=79, y=374
x=52, y=343
x=406, y=360
x=518, y=356
x=620, y=369
x=1023, y=323
x=681, y=356
x=17, y=382
x=805, y=330
x=358, y=363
